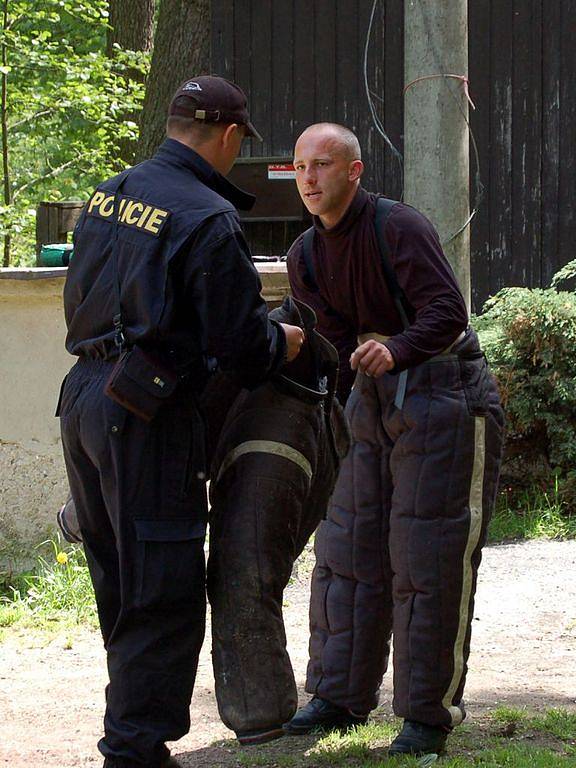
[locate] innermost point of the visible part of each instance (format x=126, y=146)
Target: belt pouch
x=140, y=383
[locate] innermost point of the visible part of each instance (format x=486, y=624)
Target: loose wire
x=375, y=119
x=479, y=186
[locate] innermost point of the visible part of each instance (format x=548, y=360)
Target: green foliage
x=531, y=513
x=529, y=336
x=565, y=275
x=65, y=105
x=60, y=590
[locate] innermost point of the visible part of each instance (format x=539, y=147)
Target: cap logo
x=191, y=86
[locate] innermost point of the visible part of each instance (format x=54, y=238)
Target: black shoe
x=322, y=715
x=419, y=739
x=261, y=736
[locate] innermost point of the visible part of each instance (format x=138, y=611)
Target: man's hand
x=372, y=358
x=294, y=340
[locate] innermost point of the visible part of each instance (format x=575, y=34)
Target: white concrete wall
x=33, y=362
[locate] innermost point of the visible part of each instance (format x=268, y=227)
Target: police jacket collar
x=175, y=152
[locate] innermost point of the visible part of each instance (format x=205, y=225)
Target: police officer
x=400, y=548
x=160, y=265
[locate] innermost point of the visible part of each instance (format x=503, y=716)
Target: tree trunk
x=132, y=28
x=131, y=25
x=181, y=50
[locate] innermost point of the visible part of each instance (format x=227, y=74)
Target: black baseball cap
x=214, y=100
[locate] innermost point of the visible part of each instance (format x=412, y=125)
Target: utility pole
x=436, y=160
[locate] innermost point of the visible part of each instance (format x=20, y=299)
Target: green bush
x=529, y=336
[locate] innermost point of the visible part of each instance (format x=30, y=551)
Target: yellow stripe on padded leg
x=475, y=506
x=270, y=447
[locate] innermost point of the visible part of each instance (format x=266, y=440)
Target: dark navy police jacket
x=189, y=289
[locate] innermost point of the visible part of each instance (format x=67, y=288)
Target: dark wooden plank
x=281, y=100
x=261, y=81
x=369, y=138
x=325, y=61
x=479, y=75
x=222, y=38
x=567, y=181
x=347, y=57
x=551, y=74
x=534, y=148
x=393, y=113
x=304, y=65
x=525, y=231
x=501, y=66
x=243, y=56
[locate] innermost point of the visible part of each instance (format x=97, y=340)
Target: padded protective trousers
x=400, y=548
x=142, y=513
x=273, y=473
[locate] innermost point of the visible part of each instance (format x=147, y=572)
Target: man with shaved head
x=399, y=550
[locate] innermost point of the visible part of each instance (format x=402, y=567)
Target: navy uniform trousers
x=400, y=548
x=140, y=494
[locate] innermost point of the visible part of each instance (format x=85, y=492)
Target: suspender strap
x=119, y=338
x=307, y=244
x=383, y=208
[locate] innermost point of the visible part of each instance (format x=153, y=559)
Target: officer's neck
x=210, y=151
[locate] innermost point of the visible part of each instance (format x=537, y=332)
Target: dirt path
x=524, y=652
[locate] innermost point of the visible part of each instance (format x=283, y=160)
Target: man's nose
x=309, y=176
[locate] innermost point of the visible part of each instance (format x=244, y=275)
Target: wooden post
x=436, y=161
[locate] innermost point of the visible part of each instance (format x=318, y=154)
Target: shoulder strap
x=383, y=208
x=307, y=244
x=119, y=338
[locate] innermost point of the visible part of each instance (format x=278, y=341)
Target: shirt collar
x=347, y=221
x=178, y=153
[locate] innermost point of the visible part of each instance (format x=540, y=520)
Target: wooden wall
x=301, y=61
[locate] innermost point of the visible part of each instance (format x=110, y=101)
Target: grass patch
x=531, y=514
x=58, y=594
x=507, y=738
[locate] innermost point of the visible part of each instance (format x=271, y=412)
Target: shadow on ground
x=299, y=752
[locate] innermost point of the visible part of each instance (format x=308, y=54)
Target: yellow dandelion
x=62, y=558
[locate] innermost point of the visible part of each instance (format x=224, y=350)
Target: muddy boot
x=262, y=736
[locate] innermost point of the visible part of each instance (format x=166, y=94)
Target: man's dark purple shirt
x=352, y=298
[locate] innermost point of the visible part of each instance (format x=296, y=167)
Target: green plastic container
x=55, y=255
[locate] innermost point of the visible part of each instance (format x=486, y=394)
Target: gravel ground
x=524, y=653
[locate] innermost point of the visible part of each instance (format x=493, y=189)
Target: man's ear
x=355, y=170
x=229, y=133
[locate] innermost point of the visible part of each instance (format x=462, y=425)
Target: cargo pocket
x=171, y=562
x=475, y=378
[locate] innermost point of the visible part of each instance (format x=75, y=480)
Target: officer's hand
x=294, y=340
x=372, y=358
